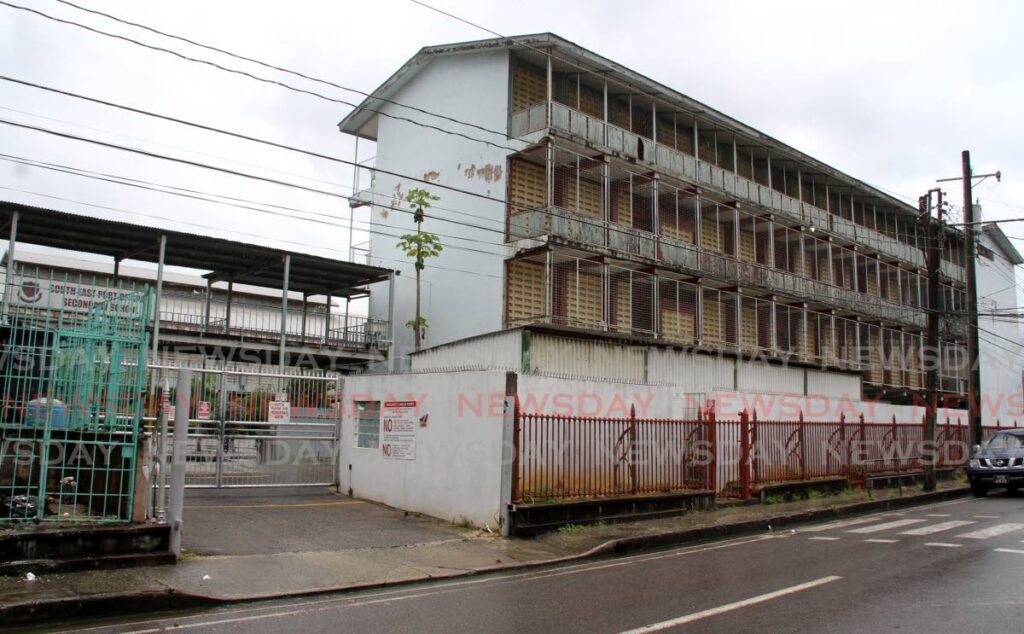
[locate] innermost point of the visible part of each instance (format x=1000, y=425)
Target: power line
x=824, y=298
x=199, y=195
x=235, y=231
x=245, y=137
x=603, y=76
x=281, y=68
x=243, y=73
x=500, y=223
x=215, y=168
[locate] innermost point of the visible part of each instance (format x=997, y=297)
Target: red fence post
x=517, y=495
x=744, y=456
x=632, y=449
x=895, y=444
x=713, y=441
x=803, y=451
x=844, y=443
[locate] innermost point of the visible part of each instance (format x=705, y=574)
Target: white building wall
x=495, y=351
x=1000, y=343
x=456, y=473
x=462, y=289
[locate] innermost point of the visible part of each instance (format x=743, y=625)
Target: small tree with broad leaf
x=420, y=246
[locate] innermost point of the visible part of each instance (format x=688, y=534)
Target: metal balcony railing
x=41, y=295
x=681, y=165
x=584, y=230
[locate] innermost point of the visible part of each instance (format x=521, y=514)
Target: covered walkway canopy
x=226, y=260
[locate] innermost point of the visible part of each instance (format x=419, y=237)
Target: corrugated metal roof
x=244, y=263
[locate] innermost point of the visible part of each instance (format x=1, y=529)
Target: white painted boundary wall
x=456, y=474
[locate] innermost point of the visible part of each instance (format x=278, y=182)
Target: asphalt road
x=949, y=567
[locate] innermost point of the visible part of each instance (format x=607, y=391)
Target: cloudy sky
x=889, y=92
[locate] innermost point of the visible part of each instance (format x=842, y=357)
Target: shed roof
x=241, y=262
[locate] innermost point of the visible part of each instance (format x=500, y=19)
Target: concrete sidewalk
x=404, y=549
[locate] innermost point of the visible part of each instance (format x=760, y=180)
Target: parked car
x=998, y=462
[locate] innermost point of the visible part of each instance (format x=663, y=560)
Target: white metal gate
x=256, y=429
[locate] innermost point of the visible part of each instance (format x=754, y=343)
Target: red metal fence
x=575, y=457
x=568, y=456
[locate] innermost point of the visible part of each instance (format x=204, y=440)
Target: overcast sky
x=889, y=92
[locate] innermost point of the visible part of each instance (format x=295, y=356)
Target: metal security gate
x=255, y=429
x=72, y=378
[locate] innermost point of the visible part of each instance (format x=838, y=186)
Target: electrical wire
x=375, y=195
x=601, y=75
x=282, y=69
x=212, y=198
x=243, y=73
x=234, y=231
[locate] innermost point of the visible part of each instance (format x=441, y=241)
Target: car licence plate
x=1001, y=480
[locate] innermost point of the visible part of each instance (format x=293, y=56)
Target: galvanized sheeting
x=497, y=351
x=758, y=376
x=834, y=384
x=693, y=373
x=583, y=358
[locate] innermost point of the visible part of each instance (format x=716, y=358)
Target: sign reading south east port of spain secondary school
x=398, y=422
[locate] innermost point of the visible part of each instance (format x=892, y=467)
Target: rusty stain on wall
x=488, y=173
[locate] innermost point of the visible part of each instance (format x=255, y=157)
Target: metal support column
x=344, y=332
x=227, y=309
x=284, y=312
x=327, y=318
x=159, y=295
x=549, y=274
x=392, y=360
x=9, y=277
x=206, y=307
x=305, y=301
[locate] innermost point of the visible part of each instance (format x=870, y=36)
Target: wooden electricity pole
x=974, y=365
x=933, y=231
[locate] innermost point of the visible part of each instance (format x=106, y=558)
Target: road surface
x=950, y=567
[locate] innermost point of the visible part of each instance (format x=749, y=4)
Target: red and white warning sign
x=398, y=423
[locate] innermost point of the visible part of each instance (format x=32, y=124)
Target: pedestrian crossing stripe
x=938, y=528
x=992, y=531
x=875, y=528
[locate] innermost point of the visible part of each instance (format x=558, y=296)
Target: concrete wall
x=456, y=473
x=462, y=289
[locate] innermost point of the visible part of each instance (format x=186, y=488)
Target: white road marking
x=824, y=539
x=1009, y=550
x=943, y=545
x=992, y=531
x=448, y=587
x=938, y=515
x=986, y=517
x=843, y=524
x=938, y=528
x=728, y=607
x=882, y=541
x=884, y=527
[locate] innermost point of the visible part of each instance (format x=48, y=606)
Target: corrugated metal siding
x=834, y=384
x=757, y=376
x=586, y=358
x=693, y=373
x=495, y=351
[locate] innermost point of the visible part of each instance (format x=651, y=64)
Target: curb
x=171, y=599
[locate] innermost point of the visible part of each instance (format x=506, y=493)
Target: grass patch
x=571, y=528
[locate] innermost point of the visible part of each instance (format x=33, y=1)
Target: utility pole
x=973, y=355
x=974, y=365
x=932, y=229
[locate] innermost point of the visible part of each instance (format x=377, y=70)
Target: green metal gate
x=73, y=376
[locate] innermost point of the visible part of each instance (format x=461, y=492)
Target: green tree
x=421, y=246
